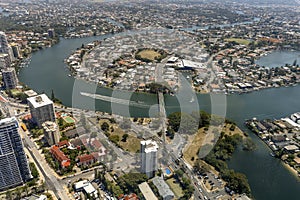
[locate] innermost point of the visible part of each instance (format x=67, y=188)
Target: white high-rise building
x=51, y=132
x=4, y=61
x=14, y=168
x=3, y=43
x=9, y=77
x=149, y=150
x=41, y=109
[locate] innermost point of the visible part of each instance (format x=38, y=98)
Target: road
x=126, y=161
x=50, y=179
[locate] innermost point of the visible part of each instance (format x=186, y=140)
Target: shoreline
x=257, y=126
x=291, y=170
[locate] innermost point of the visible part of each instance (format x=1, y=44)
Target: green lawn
x=69, y=120
x=175, y=187
x=238, y=40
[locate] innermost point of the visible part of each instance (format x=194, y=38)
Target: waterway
x=279, y=58
x=267, y=176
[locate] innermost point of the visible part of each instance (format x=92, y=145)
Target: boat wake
x=116, y=100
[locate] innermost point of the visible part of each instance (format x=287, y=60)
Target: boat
x=272, y=154
x=192, y=100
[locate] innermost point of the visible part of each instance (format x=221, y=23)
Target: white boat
x=192, y=100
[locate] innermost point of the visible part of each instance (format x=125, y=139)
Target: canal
x=267, y=176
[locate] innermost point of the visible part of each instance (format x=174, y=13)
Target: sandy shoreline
x=291, y=170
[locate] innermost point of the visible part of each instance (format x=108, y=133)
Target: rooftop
x=39, y=101
x=151, y=146
x=8, y=120
x=49, y=126
x=163, y=188
x=147, y=192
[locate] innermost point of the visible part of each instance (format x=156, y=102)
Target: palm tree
x=19, y=193
x=8, y=195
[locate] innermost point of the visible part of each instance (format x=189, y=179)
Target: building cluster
x=114, y=64
x=69, y=20
x=43, y=115
x=86, y=187
x=7, y=55
x=282, y=136
x=236, y=71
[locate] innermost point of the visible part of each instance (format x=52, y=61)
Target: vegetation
x=222, y=152
x=129, y=182
x=175, y=187
x=248, y=145
x=156, y=87
x=34, y=171
x=127, y=141
x=105, y=126
x=190, y=123
x=150, y=55
x=36, y=132
x=238, y=41
x=54, y=99
x=185, y=184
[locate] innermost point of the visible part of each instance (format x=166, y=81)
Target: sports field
x=149, y=54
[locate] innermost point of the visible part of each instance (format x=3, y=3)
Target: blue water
x=279, y=58
x=168, y=171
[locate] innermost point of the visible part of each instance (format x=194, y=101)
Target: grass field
x=195, y=142
x=69, y=120
x=175, y=187
x=132, y=143
x=149, y=54
x=238, y=40
x=204, y=137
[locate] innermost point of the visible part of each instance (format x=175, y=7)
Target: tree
x=248, y=145
x=295, y=62
x=114, y=138
x=124, y=137
x=105, y=126
x=129, y=182
x=9, y=195
x=34, y=171
x=52, y=95
x=18, y=192
x=183, y=123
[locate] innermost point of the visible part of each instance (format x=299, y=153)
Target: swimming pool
x=168, y=171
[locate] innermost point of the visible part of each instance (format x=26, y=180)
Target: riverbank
x=282, y=137
x=292, y=170
x=234, y=70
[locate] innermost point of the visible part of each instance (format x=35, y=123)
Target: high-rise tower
x=14, y=168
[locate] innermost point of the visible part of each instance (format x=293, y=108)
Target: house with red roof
x=86, y=159
x=60, y=156
x=64, y=143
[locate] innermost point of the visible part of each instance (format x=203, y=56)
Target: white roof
x=8, y=120
x=147, y=192
x=49, y=126
x=30, y=93
x=151, y=146
x=291, y=147
x=192, y=64
x=89, y=188
x=291, y=122
x=39, y=101
x=80, y=184
x=173, y=59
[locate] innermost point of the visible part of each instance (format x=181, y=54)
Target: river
x=267, y=176
x=279, y=58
